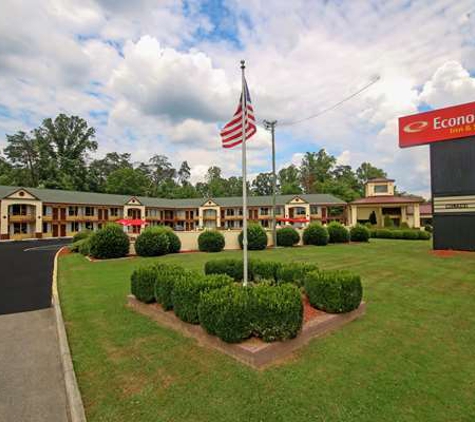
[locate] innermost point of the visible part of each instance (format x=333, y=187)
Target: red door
x=55, y=214
x=324, y=215
x=55, y=230
x=63, y=230
x=63, y=214
x=106, y=214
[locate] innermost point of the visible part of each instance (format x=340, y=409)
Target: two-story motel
x=43, y=213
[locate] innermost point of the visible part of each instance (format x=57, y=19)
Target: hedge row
x=272, y=271
x=400, y=234
x=234, y=313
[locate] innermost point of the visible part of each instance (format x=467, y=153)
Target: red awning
x=294, y=220
x=132, y=222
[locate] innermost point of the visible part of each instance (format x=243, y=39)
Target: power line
x=313, y=116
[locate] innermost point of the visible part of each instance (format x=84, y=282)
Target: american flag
x=231, y=135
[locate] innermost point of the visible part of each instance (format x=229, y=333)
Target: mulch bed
x=450, y=253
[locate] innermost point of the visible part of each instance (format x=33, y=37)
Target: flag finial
x=243, y=64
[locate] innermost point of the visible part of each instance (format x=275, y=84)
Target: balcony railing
x=28, y=218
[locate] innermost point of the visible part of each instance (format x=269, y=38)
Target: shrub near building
x=256, y=237
x=315, y=234
x=287, y=236
x=153, y=241
x=359, y=233
x=211, y=241
x=142, y=283
x=109, y=242
x=338, y=233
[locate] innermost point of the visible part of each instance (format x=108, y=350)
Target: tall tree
x=23, y=152
x=6, y=172
x=315, y=167
x=99, y=170
x=289, y=180
x=184, y=173
x=365, y=172
x=262, y=184
x=127, y=181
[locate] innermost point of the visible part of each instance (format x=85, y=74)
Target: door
x=106, y=214
x=55, y=230
x=291, y=213
x=55, y=214
x=63, y=230
x=63, y=214
x=100, y=213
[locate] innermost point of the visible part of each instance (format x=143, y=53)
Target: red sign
x=438, y=125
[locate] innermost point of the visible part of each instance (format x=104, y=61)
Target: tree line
x=58, y=155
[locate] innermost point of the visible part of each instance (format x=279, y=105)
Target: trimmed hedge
x=256, y=237
x=153, y=241
x=315, y=234
x=167, y=275
x=359, y=233
x=231, y=266
x=187, y=290
x=400, y=234
x=294, y=272
x=142, y=283
x=264, y=270
x=211, y=241
x=338, y=233
x=83, y=234
x=334, y=291
x=109, y=242
x=276, y=311
x=287, y=236
x=225, y=313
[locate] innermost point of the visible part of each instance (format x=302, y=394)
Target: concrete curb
x=73, y=396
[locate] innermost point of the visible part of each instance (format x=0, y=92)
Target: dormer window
x=381, y=189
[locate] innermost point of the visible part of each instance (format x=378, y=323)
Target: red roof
x=381, y=199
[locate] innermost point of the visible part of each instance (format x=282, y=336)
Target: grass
x=410, y=358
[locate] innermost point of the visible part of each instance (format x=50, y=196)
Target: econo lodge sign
x=438, y=125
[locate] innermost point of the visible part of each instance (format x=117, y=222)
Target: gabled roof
x=92, y=198
x=379, y=179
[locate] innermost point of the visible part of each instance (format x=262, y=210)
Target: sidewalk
x=31, y=380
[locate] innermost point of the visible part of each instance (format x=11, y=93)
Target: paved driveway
x=26, y=270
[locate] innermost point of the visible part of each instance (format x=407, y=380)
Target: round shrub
x=142, y=283
x=153, y=241
x=174, y=242
x=211, y=241
x=338, y=233
x=294, y=272
x=109, y=242
x=225, y=313
x=359, y=233
x=276, y=311
x=84, y=246
x=167, y=276
x=334, y=291
x=256, y=237
x=83, y=234
x=424, y=235
x=315, y=234
x=187, y=290
x=287, y=236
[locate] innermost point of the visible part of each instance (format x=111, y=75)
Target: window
x=89, y=225
x=300, y=211
x=45, y=228
x=279, y=211
x=380, y=188
x=264, y=211
x=313, y=209
x=265, y=223
x=89, y=211
x=73, y=211
x=74, y=227
x=19, y=209
x=230, y=212
x=20, y=228
x=114, y=212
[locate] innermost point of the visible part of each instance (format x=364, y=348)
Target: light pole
x=270, y=125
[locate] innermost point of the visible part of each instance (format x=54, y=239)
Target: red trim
x=294, y=220
x=130, y=222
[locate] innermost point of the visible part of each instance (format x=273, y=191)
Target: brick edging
x=76, y=411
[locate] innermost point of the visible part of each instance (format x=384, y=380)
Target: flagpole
x=244, y=177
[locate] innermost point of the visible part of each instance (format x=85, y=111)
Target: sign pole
x=270, y=125
x=244, y=177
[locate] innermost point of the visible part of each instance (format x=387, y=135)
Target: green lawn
x=410, y=358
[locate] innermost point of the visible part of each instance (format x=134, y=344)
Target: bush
x=84, y=246
x=359, y=233
x=174, y=242
x=334, y=291
x=225, y=312
x=315, y=234
x=230, y=266
x=142, y=283
x=83, y=234
x=211, y=241
x=153, y=241
x=338, y=233
x=410, y=234
x=404, y=226
x=424, y=235
x=287, y=236
x=277, y=311
x=388, y=222
x=294, y=272
x=264, y=270
x=167, y=276
x=109, y=242
x=256, y=237
x=187, y=290
x=428, y=228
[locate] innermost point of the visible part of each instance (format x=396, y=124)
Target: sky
x=163, y=76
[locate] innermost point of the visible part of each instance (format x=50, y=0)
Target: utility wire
x=313, y=116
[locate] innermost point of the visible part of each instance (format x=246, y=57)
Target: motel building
x=381, y=201
x=27, y=213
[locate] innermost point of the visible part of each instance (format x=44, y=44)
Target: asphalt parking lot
x=26, y=270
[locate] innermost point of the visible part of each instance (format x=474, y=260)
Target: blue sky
x=162, y=77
